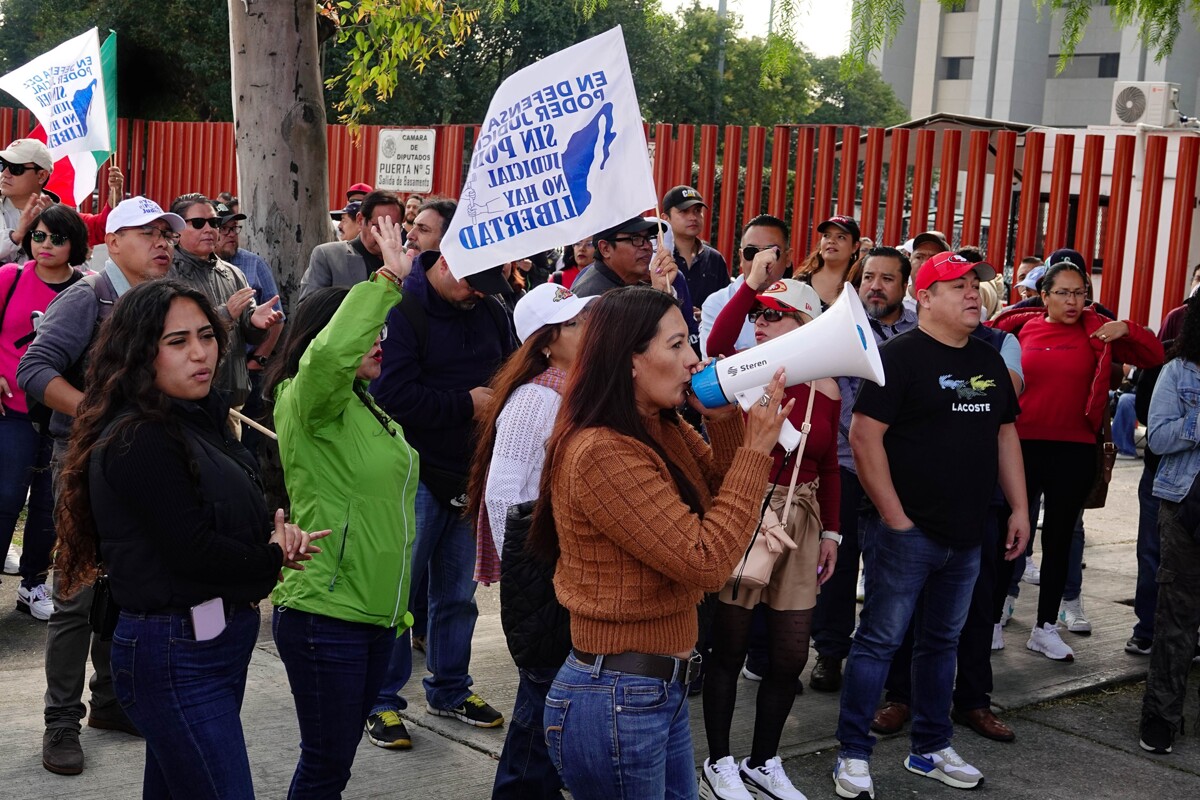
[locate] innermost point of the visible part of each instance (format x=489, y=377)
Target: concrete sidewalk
x=457, y=762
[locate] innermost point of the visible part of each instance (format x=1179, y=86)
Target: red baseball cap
x=358, y=188
x=948, y=267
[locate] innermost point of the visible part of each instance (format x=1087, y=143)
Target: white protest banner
x=404, y=160
x=64, y=89
x=561, y=155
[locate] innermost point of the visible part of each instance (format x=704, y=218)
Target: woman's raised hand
x=767, y=416
x=391, y=247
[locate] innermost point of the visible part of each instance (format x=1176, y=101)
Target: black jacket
x=179, y=512
x=536, y=627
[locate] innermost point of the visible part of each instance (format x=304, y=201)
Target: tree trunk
x=279, y=124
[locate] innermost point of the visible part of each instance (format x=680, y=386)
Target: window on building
x=963, y=5
x=957, y=69
x=1086, y=65
x=1110, y=63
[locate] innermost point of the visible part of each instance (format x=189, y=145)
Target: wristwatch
x=260, y=360
x=834, y=535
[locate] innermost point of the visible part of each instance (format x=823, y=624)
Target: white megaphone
x=837, y=343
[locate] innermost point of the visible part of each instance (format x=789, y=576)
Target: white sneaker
x=1070, y=613
x=946, y=766
x=1032, y=575
x=852, y=779
x=998, y=637
x=769, y=782
x=12, y=561
x=751, y=676
x=721, y=781
x=1045, y=640
x=860, y=593
x=1010, y=607
x=36, y=602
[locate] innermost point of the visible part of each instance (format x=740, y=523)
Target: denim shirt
x=1174, y=428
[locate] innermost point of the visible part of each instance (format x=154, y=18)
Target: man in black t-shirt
x=929, y=446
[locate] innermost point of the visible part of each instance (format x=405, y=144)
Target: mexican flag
x=72, y=90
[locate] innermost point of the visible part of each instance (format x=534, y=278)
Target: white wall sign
x=404, y=161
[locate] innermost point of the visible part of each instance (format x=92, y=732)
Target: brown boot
x=61, y=752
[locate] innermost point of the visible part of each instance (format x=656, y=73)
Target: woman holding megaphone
x=775, y=308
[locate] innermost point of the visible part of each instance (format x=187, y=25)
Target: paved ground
x=1076, y=723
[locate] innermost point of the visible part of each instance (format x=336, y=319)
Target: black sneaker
x=473, y=711
x=387, y=730
x=1138, y=646
x=826, y=674
x=61, y=753
x=1157, y=735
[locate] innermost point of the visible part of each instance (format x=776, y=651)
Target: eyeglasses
x=154, y=233
x=16, y=170
x=56, y=239
x=769, y=314
x=1063, y=294
x=750, y=251
x=199, y=222
x=638, y=240
x=232, y=229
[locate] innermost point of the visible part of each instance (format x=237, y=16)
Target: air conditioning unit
x=1145, y=103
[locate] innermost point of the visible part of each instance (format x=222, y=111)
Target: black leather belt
x=665, y=668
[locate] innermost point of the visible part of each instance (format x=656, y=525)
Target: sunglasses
x=750, y=251
x=16, y=170
x=56, y=239
x=199, y=222
x=769, y=314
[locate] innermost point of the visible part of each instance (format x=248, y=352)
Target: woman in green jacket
x=345, y=462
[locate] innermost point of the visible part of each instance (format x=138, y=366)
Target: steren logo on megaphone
x=836, y=343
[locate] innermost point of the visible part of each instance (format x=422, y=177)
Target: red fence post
x=756, y=152
x=781, y=149
x=948, y=183
x=1060, y=192
x=1147, y=240
x=1002, y=189
x=1088, y=211
x=1116, y=220
x=706, y=178
x=662, y=159
x=1181, y=221
x=681, y=158
x=729, y=190
x=922, y=193
x=848, y=186
x=977, y=153
x=872, y=181
x=802, y=196
x=1028, y=218
x=823, y=194
x=893, y=221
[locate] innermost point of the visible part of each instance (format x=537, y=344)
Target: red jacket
x=1140, y=348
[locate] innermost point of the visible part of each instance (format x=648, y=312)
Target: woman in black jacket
x=155, y=488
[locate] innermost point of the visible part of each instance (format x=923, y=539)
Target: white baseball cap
x=791, y=295
x=546, y=304
x=136, y=212
x=28, y=151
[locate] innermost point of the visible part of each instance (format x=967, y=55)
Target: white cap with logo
x=136, y=212
x=28, y=151
x=546, y=304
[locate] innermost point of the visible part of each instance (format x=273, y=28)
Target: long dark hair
x=1187, y=344
x=64, y=221
x=600, y=394
x=519, y=369
x=119, y=386
x=309, y=319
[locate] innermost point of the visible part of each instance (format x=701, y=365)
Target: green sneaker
x=387, y=730
x=473, y=711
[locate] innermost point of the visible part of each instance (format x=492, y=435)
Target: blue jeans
x=335, y=669
x=525, y=771
x=1148, y=548
x=186, y=698
x=445, y=545
x=907, y=573
x=1123, y=424
x=25, y=471
x=619, y=736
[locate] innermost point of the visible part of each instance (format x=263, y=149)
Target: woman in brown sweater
x=643, y=517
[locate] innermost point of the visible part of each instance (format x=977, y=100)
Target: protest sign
x=560, y=156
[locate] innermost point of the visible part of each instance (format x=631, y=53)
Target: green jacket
x=345, y=472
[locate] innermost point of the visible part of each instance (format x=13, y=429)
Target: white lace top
x=516, y=470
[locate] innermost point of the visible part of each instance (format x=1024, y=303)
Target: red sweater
x=820, y=453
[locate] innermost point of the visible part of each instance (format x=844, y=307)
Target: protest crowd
x=186, y=453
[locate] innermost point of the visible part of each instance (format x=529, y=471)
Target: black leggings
x=1063, y=473
x=787, y=646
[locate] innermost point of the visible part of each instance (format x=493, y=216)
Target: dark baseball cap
x=848, y=224
x=632, y=225
x=226, y=215
x=351, y=209
x=490, y=281
x=682, y=197
x=1066, y=254
x=929, y=237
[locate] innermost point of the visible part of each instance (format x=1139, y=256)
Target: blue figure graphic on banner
x=581, y=152
x=82, y=102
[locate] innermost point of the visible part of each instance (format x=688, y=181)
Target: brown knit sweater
x=634, y=559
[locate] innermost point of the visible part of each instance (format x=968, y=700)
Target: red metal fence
x=897, y=181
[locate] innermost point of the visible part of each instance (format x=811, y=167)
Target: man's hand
x=238, y=302
x=760, y=276
x=36, y=205
x=481, y=399
x=265, y=315
x=116, y=186
x=1018, y=535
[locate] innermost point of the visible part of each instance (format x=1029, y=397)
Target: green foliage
x=860, y=98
